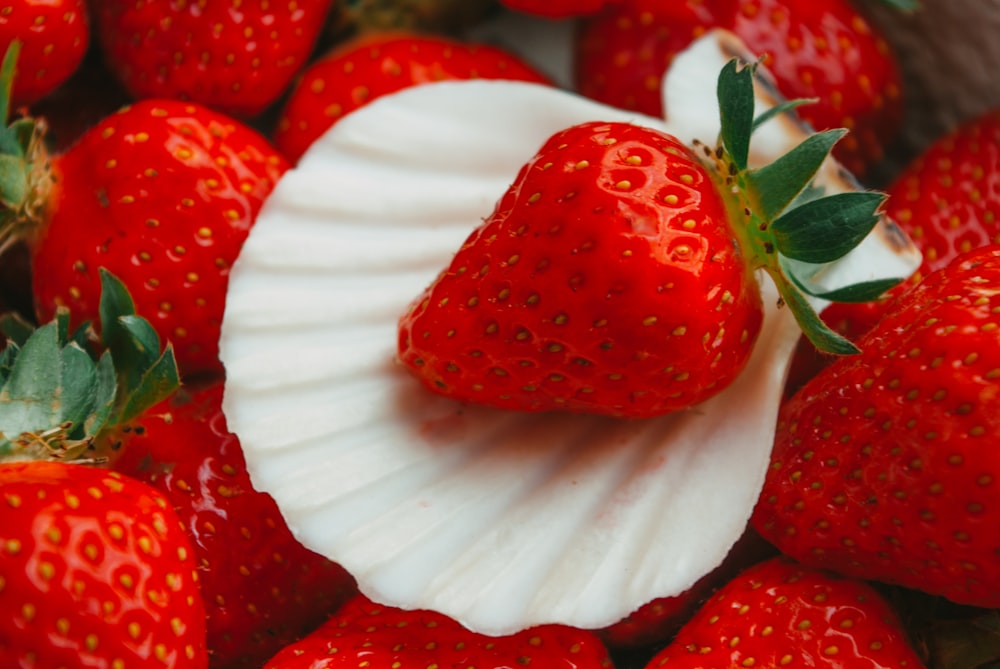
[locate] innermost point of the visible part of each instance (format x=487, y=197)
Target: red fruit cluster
x=157, y=131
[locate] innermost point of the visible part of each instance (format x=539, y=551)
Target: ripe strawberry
x=54, y=35
x=95, y=572
x=778, y=614
x=824, y=50
x=162, y=194
x=884, y=464
x=615, y=276
x=557, y=9
x=366, y=634
x=946, y=202
x=365, y=68
x=233, y=56
x=262, y=588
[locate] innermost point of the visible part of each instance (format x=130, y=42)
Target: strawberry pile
x=619, y=275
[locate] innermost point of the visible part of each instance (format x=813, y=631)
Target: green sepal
x=14, y=180
x=105, y=394
x=30, y=396
x=7, y=68
x=777, y=184
x=818, y=332
x=826, y=229
x=782, y=108
x=157, y=383
x=904, y=5
x=736, y=108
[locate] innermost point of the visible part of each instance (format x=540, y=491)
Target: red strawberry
x=778, y=614
x=557, y=9
x=615, y=276
x=947, y=201
x=884, y=465
x=236, y=57
x=162, y=194
x=823, y=50
x=95, y=571
x=365, y=634
x=365, y=68
x=54, y=34
x=262, y=588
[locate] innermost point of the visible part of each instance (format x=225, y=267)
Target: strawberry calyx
x=58, y=396
x=25, y=178
x=785, y=223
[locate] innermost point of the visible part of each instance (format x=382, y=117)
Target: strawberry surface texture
x=621, y=272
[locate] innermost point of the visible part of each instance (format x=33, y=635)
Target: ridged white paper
x=500, y=520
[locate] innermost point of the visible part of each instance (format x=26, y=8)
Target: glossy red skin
x=365, y=634
x=367, y=67
x=236, y=57
x=95, y=568
x=54, y=37
x=262, y=588
x=822, y=49
x=587, y=291
x=162, y=194
x=557, y=9
x=885, y=464
x=778, y=613
x=948, y=201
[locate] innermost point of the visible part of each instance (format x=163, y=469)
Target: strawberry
x=557, y=9
x=95, y=568
x=615, y=276
x=96, y=572
x=364, y=68
x=54, y=35
x=824, y=50
x=778, y=613
x=233, y=56
x=946, y=202
x=366, y=634
x=884, y=465
x=262, y=588
x=162, y=194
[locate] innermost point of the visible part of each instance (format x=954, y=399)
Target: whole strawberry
x=364, y=68
x=95, y=572
x=262, y=588
x=54, y=35
x=616, y=275
x=366, y=634
x=824, y=50
x=778, y=613
x=162, y=194
x=233, y=56
x=885, y=464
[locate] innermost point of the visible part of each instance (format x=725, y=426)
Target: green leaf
x=79, y=381
x=823, y=230
x=8, y=357
x=904, y=5
x=865, y=291
x=781, y=108
x=31, y=393
x=736, y=106
x=7, y=68
x=158, y=382
x=105, y=394
x=813, y=327
x=13, y=180
x=777, y=184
